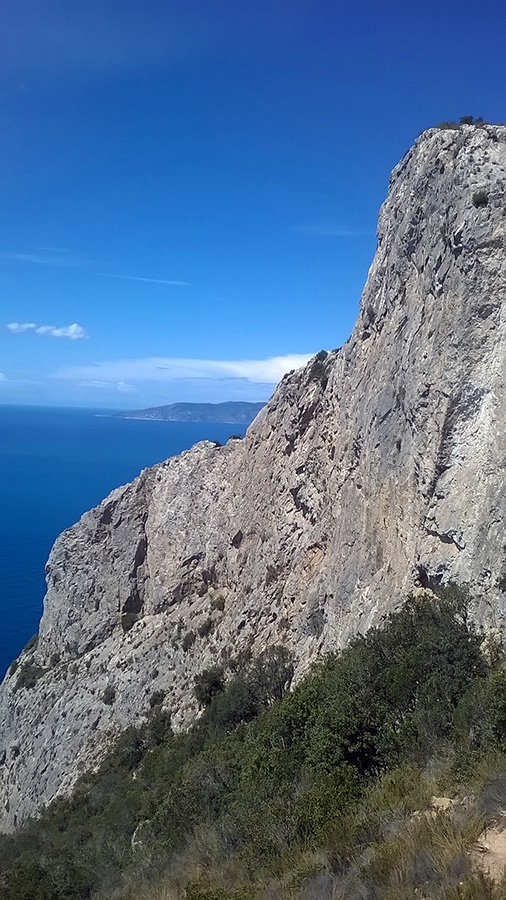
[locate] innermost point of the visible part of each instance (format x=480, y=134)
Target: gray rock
x=375, y=470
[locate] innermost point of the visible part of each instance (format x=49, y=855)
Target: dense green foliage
x=276, y=793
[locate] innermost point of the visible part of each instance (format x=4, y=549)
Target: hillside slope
x=373, y=470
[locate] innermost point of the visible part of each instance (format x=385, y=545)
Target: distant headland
x=232, y=412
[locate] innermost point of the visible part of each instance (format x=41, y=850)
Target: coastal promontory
x=233, y=412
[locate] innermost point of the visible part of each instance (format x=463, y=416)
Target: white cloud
x=120, y=386
x=74, y=332
x=3, y=377
x=162, y=369
x=20, y=327
x=138, y=278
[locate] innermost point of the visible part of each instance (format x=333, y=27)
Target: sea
x=54, y=465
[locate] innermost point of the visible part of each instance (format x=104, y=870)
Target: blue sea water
x=54, y=465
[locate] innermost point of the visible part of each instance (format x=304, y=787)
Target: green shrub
x=156, y=699
x=319, y=370
x=470, y=120
x=31, y=644
x=158, y=727
x=207, y=684
x=259, y=683
x=28, y=675
x=206, y=628
x=218, y=603
x=448, y=126
x=464, y=120
x=200, y=889
x=188, y=640
x=480, y=198
x=271, y=674
x=109, y=695
x=272, y=575
x=128, y=621
x=325, y=802
x=298, y=794
x=128, y=750
x=315, y=622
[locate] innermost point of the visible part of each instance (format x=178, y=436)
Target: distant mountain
x=233, y=412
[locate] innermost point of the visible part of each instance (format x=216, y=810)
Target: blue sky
x=190, y=188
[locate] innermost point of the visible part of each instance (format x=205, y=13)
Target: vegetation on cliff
x=319, y=792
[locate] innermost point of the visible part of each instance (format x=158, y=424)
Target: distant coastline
x=229, y=413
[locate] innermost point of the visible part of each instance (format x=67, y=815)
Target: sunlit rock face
x=375, y=470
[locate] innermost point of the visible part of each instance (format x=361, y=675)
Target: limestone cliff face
x=377, y=468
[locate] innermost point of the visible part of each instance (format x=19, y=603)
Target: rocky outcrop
x=378, y=468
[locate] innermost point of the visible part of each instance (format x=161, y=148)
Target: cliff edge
x=376, y=469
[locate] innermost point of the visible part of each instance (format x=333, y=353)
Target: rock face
x=377, y=468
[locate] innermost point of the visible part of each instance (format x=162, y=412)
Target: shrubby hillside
x=323, y=791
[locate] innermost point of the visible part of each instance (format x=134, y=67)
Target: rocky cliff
x=377, y=468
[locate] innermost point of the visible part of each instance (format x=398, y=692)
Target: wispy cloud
x=138, y=278
x=53, y=257
x=3, y=377
x=323, y=230
x=120, y=386
x=62, y=258
x=163, y=369
x=55, y=249
x=20, y=327
x=74, y=332
x=60, y=38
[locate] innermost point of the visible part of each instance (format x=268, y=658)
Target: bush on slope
x=263, y=782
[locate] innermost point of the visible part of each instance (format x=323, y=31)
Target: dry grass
x=161, y=891
x=429, y=858
x=397, y=846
